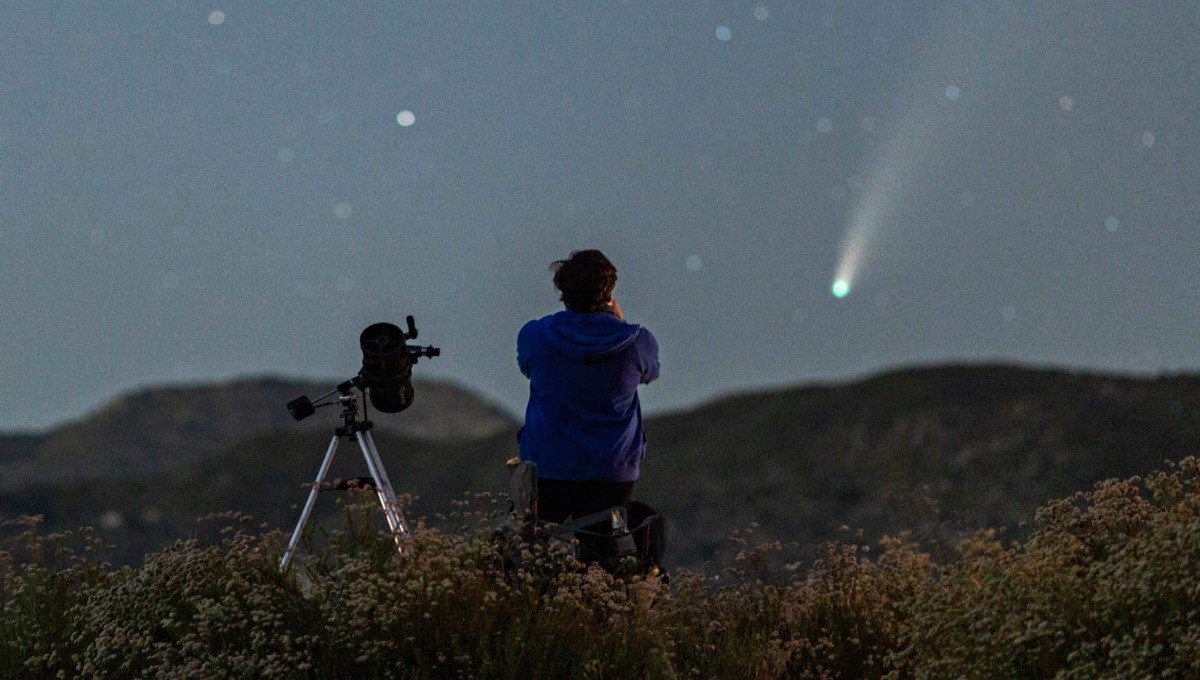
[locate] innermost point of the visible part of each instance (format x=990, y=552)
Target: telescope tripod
x=359, y=430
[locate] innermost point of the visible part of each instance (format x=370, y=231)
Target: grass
x=1107, y=586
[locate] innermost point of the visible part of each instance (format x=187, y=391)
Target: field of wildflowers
x=1107, y=586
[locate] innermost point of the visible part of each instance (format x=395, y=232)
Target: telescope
x=386, y=373
x=385, y=379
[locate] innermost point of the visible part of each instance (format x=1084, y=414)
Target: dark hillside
x=265, y=476
x=15, y=448
x=940, y=451
x=156, y=429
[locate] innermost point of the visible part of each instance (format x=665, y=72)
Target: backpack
x=619, y=540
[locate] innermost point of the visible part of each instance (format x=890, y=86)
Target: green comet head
x=841, y=288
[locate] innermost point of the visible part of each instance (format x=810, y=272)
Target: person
x=583, y=421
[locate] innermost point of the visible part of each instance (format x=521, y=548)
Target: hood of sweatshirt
x=589, y=336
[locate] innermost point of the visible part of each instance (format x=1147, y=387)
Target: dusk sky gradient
x=196, y=191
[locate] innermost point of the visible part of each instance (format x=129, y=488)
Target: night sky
x=196, y=191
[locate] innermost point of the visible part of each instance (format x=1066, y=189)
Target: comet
x=897, y=176
x=888, y=182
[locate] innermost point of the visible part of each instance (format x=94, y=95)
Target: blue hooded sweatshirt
x=584, y=420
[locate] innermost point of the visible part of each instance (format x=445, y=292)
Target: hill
x=161, y=428
x=939, y=451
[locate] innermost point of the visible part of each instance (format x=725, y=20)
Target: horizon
x=516, y=412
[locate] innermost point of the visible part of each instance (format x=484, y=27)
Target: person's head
x=586, y=280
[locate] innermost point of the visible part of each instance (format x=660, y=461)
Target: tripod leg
x=383, y=488
x=383, y=475
x=308, y=506
x=387, y=483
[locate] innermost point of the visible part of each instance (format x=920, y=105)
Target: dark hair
x=586, y=279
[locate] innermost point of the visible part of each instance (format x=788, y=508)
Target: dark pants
x=559, y=499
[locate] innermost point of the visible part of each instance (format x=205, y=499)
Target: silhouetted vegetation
x=1106, y=585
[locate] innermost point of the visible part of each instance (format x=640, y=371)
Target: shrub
x=44, y=580
x=1107, y=586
